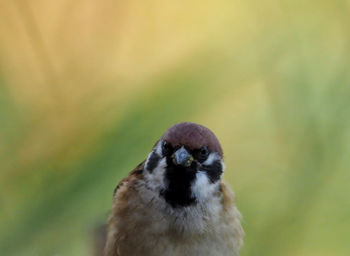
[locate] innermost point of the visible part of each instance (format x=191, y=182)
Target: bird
x=175, y=202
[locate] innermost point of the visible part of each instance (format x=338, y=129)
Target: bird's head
x=185, y=165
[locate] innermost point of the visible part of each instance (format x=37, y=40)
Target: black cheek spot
x=152, y=161
x=213, y=171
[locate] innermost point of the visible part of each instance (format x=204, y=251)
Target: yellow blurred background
x=87, y=87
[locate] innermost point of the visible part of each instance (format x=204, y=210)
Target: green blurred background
x=87, y=87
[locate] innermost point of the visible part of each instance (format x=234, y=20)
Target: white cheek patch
x=211, y=158
x=155, y=179
x=154, y=157
x=223, y=166
x=158, y=148
x=202, y=189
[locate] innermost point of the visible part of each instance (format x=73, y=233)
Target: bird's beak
x=182, y=157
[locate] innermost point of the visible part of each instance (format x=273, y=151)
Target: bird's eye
x=204, y=151
x=166, y=148
x=202, y=154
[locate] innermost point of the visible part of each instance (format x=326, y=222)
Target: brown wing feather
x=232, y=215
x=137, y=171
x=120, y=194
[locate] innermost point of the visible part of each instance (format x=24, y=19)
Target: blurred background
x=87, y=87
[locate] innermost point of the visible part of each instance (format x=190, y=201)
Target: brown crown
x=193, y=136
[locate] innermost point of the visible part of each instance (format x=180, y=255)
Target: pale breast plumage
x=142, y=223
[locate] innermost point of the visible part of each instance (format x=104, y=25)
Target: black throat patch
x=178, y=192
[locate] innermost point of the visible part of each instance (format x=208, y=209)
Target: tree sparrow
x=174, y=203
